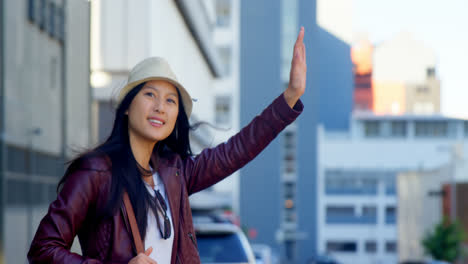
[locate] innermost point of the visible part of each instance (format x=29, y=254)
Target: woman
x=148, y=156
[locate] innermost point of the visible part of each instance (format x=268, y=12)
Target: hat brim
x=186, y=98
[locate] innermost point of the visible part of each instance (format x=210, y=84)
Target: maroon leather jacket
x=84, y=194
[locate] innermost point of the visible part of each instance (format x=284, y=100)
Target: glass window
x=225, y=54
x=369, y=214
x=341, y=246
x=370, y=246
x=466, y=128
x=289, y=190
x=391, y=247
x=42, y=14
x=51, y=27
x=372, y=128
x=221, y=248
x=431, y=128
x=61, y=24
x=398, y=129
x=422, y=89
x=431, y=72
x=350, y=183
x=223, y=110
x=31, y=10
x=390, y=215
x=223, y=13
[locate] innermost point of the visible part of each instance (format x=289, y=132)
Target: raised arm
x=214, y=164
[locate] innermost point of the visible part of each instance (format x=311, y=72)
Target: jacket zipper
x=193, y=239
x=178, y=261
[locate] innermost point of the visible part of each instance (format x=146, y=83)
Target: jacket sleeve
x=57, y=230
x=214, y=164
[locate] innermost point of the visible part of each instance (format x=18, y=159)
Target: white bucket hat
x=152, y=69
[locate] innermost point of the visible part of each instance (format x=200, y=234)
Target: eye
x=172, y=101
x=149, y=94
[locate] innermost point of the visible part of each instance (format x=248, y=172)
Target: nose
x=158, y=106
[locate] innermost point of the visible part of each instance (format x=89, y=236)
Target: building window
x=42, y=14
x=51, y=27
x=340, y=214
x=60, y=28
x=431, y=72
x=31, y=10
x=225, y=55
x=390, y=215
x=390, y=247
x=369, y=214
x=339, y=182
x=223, y=13
x=422, y=89
x=431, y=129
x=370, y=246
x=465, y=125
x=390, y=185
x=398, y=128
x=223, y=110
x=347, y=215
x=372, y=128
x=341, y=246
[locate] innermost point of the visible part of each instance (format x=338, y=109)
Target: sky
x=441, y=24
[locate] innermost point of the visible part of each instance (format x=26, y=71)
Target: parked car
x=322, y=259
x=222, y=243
x=262, y=254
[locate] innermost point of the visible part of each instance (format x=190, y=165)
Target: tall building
x=357, y=186
x=404, y=76
x=361, y=54
x=227, y=92
x=282, y=179
x=44, y=109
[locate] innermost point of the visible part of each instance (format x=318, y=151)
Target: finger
x=148, y=251
x=300, y=37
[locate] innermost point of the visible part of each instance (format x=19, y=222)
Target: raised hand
x=297, y=76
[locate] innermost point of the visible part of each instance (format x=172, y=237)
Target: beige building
x=404, y=77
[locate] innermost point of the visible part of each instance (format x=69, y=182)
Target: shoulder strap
x=133, y=223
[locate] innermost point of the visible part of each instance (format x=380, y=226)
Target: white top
x=162, y=248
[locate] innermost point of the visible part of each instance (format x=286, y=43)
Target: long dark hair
x=125, y=172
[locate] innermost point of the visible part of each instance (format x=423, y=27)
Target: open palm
x=297, y=76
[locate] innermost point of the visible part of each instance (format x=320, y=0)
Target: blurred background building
x=405, y=77
x=45, y=102
x=282, y=179
x=357, y=181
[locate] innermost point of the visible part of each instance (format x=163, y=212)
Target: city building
x=358, y=198
x=404, y=77
x=278, y=202
x=44, y=109
x=227, y=92
x=361, y=54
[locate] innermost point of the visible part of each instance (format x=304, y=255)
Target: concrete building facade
x=357, y=179
x=45, y=109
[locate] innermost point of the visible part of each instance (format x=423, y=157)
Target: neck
x=142, y=150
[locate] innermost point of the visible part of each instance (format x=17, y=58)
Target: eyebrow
x=156, y=89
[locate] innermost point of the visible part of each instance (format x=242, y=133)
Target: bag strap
x=133, y=223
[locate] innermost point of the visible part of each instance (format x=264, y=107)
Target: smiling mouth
x=156, y=122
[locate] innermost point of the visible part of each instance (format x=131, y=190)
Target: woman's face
x=153, y=112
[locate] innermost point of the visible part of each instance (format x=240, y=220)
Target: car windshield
x=220, y=248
